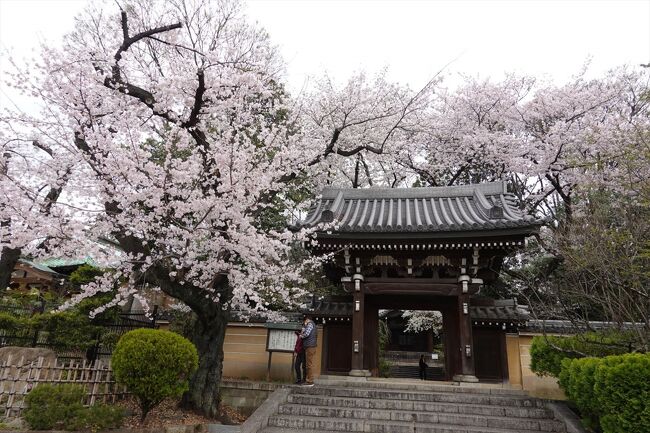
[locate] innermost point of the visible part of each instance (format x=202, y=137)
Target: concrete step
x=439, y=407
x=284, y=430
x=304, y=423
x=460, y=419
x=407, y=395
x=420, y=385
x=413, y=372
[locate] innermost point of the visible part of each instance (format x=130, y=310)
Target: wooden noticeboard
x=280, y=337
x=281, y=340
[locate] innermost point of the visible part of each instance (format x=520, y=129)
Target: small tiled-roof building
x=30, y=275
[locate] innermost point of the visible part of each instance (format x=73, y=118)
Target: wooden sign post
x=280, y=337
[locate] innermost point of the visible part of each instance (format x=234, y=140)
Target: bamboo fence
x=18, y=378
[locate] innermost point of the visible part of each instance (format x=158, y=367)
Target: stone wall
x=520, y=374
x=246, y=396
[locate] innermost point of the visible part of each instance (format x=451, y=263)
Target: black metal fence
x=99, y=345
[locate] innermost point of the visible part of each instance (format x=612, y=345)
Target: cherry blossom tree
x=168, y=125
x=172, y=122
x=468, y=136
x=365, y=122
x=542, y=138
x=31, y=183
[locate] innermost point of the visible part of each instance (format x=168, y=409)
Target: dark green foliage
x=19, y=327
x=577, y=380
x=183, y=323
x=613, y=392
x=99, y=417
x=384, y=338
x=52, y=406
x=88, y=305
x=84, y=274
x=622, y=388
x=547, y=352
x=154, y=365
x=10, y=322
x=384, y=335
x=66, y=330
x=61, y=407
x=71, y=329
x=384, y=367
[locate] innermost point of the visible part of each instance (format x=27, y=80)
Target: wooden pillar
x=371, y=337
x=467, y=373
x=451, y=340
x=358, y=325
x=430, y=340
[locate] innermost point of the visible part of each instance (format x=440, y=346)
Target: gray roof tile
x=506, y=310
x=456, y=208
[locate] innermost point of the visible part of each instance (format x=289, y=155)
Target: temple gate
x=419, y=248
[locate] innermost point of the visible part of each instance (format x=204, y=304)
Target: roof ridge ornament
x=488, y=188
x=496, y=212
x=327, y=216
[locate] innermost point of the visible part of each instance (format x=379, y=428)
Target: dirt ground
x=168, y=413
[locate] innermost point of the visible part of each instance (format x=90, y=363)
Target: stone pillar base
x=470, y=378
x=360, y=373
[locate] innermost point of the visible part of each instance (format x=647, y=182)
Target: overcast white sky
x=414, y=39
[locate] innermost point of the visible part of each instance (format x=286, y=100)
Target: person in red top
x=299, y=350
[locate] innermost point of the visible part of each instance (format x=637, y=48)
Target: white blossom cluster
x=422, y=321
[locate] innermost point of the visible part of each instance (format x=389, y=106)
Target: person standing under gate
x=299, y=350
x=308, y=336
x=423, y=368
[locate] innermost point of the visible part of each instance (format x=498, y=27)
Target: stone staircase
x=413, y=372
x=409, y=407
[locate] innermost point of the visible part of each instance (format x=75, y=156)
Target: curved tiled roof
x=497, y=310
x=455, y=208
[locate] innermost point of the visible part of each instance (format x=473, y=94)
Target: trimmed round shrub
x=622, y=391
x=154, y=365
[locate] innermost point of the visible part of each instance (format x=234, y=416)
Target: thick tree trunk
x=208, y=337
x=8, y=259
x=208, y=333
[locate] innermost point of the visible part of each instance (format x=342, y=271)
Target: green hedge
x=613, y=391
x=547, y=352
x=577, y=379
x=72, y=329
x=60, y=407
x=622, y=387
x=10, y=322
x=154, y=365
x=66, y=329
